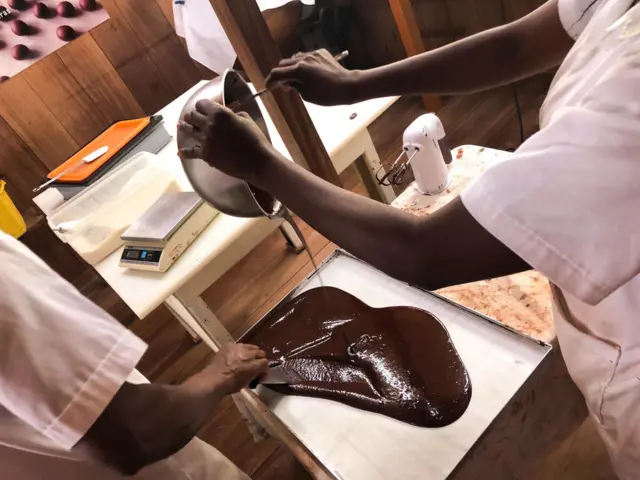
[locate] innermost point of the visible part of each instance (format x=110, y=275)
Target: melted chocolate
x=397, y=361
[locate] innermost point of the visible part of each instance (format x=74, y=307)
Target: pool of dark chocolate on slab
x=396, y=361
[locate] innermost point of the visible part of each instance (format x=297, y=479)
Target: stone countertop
x=521, y=301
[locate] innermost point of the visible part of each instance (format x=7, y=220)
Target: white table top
x=145, y=291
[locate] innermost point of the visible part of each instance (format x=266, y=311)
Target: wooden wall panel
x=59, y=90
x=164, y=54
x=375, y=40
x=142, y=77
x=100, y=80
x=438, y=30
x=155, y=33
x=20, y=167
x=167, y=9
x=29, y=117
x=146, y=19
x=126, y=40
x=115, y=37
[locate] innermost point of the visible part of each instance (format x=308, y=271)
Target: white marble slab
x=358, y=445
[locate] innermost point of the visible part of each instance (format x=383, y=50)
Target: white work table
x=227, y=240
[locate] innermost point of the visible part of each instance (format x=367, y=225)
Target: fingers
x=185, y=127
x=196, y=119
x=290, y=75
x=262, y=365
x=190, y=153
x=251, y=352
x=287, y=62
x=208, y=108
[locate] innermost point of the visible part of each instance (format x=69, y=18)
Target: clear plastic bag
x=92, y=222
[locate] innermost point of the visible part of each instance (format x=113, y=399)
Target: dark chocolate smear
x=396, y=361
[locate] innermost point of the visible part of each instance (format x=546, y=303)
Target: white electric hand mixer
x=423, y=148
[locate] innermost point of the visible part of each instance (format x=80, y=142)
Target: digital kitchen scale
x=156, y=240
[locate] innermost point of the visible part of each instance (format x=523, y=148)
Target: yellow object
x=11, y=222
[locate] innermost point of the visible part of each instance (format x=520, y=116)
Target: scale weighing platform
x=156, y=240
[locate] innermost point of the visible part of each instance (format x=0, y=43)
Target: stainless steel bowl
x=225, y=193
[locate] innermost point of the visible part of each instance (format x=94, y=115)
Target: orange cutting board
x=115, y=137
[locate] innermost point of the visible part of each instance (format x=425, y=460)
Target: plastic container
x=92, y=222
x=11, y=222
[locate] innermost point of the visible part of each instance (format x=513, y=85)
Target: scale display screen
x=141, y=255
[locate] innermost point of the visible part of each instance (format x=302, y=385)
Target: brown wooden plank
x=281, y=465
x=130, y=56
x=411, y=39
x=29, y=117
x=115, y=37
x=175, y=65
x=167, y=10
x=146, y=20
x=66, y=100
x=256, y=49
x=460, y=16
x=146, y=83
x=229, y=434
x=434, y=21
x=155, y=33
x=20, y=168
x=375, y=39
x=97, y=77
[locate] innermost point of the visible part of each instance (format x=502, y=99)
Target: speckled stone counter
x=522, y=301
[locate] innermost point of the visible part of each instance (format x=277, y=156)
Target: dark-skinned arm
x=499, y=56
x=146, y=423
x=447, y=248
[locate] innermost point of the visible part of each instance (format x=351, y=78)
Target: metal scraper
x=274, y=376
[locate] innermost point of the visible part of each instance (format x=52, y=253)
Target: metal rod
x=236, y=105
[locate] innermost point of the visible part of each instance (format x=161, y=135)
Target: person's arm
x=146, y=423
x=64, y=368
x=502, y=55
x=447, y=248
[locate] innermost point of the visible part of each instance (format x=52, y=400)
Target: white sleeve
x=568, y=202
x=62, y=358
x=576, y=14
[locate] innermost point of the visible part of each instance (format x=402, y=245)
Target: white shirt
x=568, y=203
x=62, y=360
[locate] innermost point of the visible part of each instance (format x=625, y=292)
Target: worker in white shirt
x=566, y=204
x=71, y=404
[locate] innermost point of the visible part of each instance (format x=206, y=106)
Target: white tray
x=359, y=445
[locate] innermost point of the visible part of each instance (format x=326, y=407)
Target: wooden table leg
x=194, y=313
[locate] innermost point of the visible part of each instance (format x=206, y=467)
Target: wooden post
x=412, y=40
x=258, y=53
